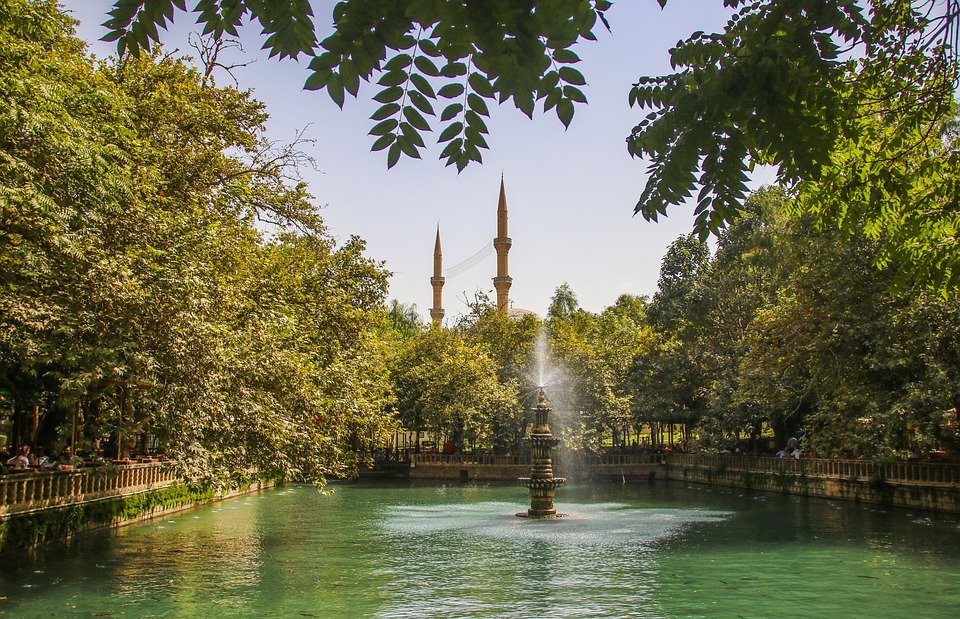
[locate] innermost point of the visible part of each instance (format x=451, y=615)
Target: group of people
x=790, y=451
x=25, y=459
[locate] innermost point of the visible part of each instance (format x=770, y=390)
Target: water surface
x=458, y=551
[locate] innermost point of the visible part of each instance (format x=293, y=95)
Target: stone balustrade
x=468, y=459
x=25, y=493
x=861, y=470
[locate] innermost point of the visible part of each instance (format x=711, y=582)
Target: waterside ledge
x=915, y=485
x=45, y=507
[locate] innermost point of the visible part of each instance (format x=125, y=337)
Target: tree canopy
x=137, y=290
x=846, y=100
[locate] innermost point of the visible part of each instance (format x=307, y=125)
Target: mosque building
x=501, y=282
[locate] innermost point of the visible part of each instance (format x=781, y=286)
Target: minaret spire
x=436, y=312
x=502, y=244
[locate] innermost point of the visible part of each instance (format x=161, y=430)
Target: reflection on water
x=394, y=551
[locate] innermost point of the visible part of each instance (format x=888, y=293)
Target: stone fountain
x=541, y=483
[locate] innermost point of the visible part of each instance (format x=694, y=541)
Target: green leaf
x=572, y=76
x=565, y=56
x=428, y=47
x=398, y=62
x=473, y=120
x=451, y=149
x=385, y=111
x=409, y=132
x=451, y=131
x=453, y=69
x=426, y=66
x=316, y=80
x=389, y=95
x=392, y=78
x=574, y=94
x=481, y=85
x=384, y=127
x=477, y=104
x=422, y=103
x=451, y=91
x=415, y=119
x=335, y=90
x=349, y=77
x=383, y=141
x=423, y=85
x=393, y=155
x=450, y=111
x=548, y=83
x=552, y=98
x=565, y=112
x=407, y=147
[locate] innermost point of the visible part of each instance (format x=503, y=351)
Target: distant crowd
x=25, y=459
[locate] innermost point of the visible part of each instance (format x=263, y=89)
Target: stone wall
x=936, y=496
x=468, y=471
x=36, y=508
x=913, y=485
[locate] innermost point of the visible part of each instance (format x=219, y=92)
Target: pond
x=665, y=549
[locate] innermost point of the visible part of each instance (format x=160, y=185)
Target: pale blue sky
x=570, y=193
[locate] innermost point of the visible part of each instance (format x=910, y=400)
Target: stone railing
x=25, y=493
x=609, y=460
x=468, y=459
x=897, y=472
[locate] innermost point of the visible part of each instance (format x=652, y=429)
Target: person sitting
x=21, y=461
x=786, y=452
x=69, y=460
x=43, y=461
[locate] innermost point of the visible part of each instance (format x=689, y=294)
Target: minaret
x=502, y=244
x=436, y=312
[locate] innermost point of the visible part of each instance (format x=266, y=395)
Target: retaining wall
x=913, y=485
x=39, y=507
x=917, y=485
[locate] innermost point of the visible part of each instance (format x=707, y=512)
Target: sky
x=570, y=193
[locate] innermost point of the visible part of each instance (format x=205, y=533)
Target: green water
x=392, y=551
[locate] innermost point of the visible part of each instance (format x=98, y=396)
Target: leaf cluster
x=438, y=64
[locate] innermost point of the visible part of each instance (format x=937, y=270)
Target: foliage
x=595, y=353
x=422, y=53
x=791, y=327
x=405, y=320
x=845, y=100
x=27, y=531
x=845, y=97
x=564, y=302
x=137, y=286
x=681, y=266
x=509, y=342
x=449, y=385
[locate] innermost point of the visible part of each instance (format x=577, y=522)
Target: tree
x=564, y=302
x=842, y=98
x=404, y=319
x=742, y=279
x=135, y=286
x=594, y=355
x=680, y=269
x=790, y=84
x=450, y=386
